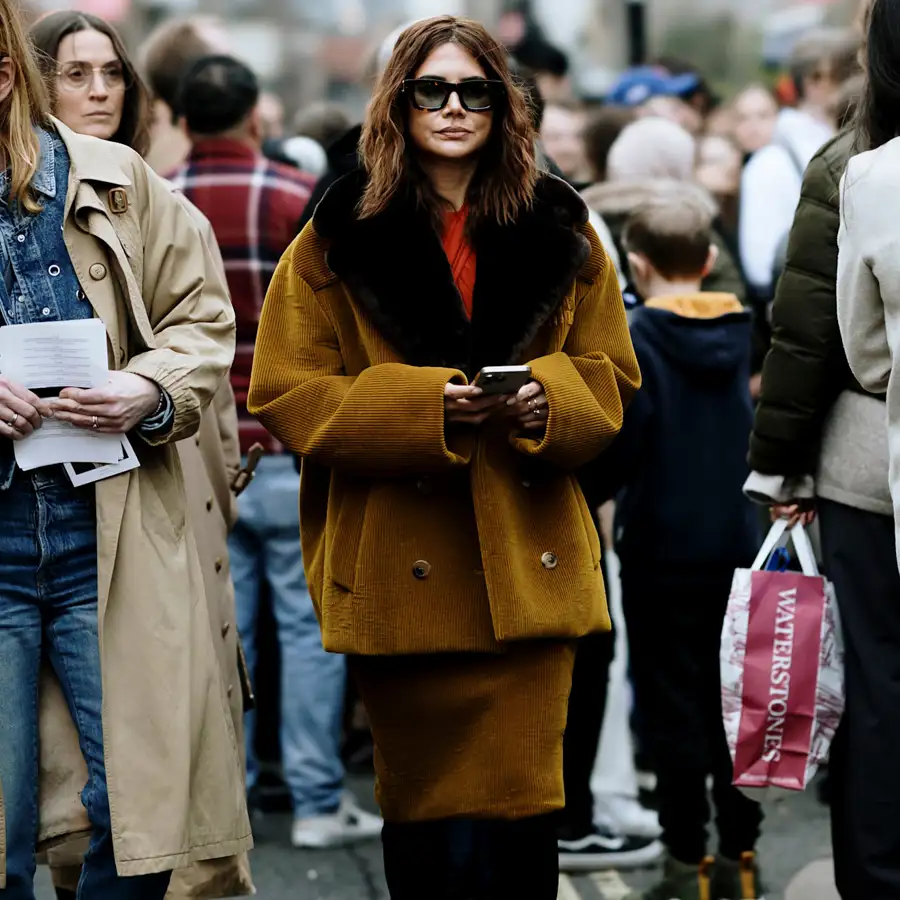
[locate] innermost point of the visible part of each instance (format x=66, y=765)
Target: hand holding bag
x=782, y=668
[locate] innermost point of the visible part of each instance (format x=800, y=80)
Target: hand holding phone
x=530, y=407
x=496, y=380
x=465, y=404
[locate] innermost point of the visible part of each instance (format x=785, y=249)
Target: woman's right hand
x=794, y=512
x=465, y=404
x=21, y=411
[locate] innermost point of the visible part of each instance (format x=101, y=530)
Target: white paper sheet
x=88, y=473
x=58, y=355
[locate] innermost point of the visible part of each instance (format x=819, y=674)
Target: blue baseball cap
x=636, y=86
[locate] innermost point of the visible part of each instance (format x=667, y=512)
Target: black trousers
x=860, y=558
x=675, y=622
x=463, y=859
x=587, y=708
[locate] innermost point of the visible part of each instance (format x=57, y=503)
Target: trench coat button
x=421, y=569
x=98, y=272
x=225, y=629
x=209, y=504
x=219, y=565
x=549, y=560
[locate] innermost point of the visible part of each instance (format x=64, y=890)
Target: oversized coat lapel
x=396, y=269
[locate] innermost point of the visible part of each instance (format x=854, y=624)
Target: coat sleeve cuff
x=769, y=489
x=173, y=381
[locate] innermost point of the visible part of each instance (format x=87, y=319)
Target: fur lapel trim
x=395, y=267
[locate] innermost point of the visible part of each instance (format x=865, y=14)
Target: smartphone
x=503, y=379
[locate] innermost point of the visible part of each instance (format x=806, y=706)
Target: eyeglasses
x=433, y=94
x=78, y=76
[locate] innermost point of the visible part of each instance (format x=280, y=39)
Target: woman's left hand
x=530, y=407
x=116, y=408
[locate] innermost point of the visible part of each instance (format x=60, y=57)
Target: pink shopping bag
x=782, y=669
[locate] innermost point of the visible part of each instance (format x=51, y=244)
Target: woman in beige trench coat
x=211, y=460
x=172, y=764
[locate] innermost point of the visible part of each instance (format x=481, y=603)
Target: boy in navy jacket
x=683, y=525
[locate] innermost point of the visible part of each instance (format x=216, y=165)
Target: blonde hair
x=25, y=108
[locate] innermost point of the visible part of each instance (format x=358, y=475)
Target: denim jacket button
x=21, y=238
x=98, y=272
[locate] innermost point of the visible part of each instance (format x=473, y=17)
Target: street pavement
x=796, y=835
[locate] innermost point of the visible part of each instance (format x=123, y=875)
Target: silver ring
x=531, y=405
x=14, y=421
x=537, y=412
x=94, y=424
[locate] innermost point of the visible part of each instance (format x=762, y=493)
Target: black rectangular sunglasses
x=433, y=94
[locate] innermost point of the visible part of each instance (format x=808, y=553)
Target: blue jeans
x=265, y=548
x=48, y=604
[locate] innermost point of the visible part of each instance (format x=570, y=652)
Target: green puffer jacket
x=805, y=370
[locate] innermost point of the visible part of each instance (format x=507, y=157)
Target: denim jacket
x=39, y=283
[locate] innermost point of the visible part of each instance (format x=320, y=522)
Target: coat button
x=209, y=502
x=421, y=569
x=219, y=565
x=549, y=560
x=98, y=272
x=225, y=629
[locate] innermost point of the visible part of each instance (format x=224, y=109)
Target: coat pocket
x=590, y=528
x=163, y=501
x=350, y=498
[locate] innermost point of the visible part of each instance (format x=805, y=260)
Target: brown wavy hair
x=507, y=173
x=25, y=109
x=48, y=33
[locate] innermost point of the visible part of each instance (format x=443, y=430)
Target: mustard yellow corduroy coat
x=418, y=537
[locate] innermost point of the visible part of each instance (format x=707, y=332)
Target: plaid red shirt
x=254, y=206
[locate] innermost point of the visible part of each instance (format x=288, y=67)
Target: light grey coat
x=868, y=289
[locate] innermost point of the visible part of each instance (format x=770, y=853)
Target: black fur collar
x=395, y=267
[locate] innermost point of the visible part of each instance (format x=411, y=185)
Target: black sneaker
x=600, y=850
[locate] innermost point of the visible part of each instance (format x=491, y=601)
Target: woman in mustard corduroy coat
x=450, y=552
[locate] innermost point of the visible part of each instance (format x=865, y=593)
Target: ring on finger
x=94, y=423
x=13, y=421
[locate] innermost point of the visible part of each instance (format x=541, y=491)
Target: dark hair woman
x=867, y=838
x=450, y=551
x=95, y=89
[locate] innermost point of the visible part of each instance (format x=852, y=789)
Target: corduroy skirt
x=468, y=735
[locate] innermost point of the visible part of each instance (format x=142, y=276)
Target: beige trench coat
x=162, y=686
x=211, y=461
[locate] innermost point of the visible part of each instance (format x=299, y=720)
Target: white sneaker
x=349, y=825
x=625, y=815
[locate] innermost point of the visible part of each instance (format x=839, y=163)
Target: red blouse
x=460, y=255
